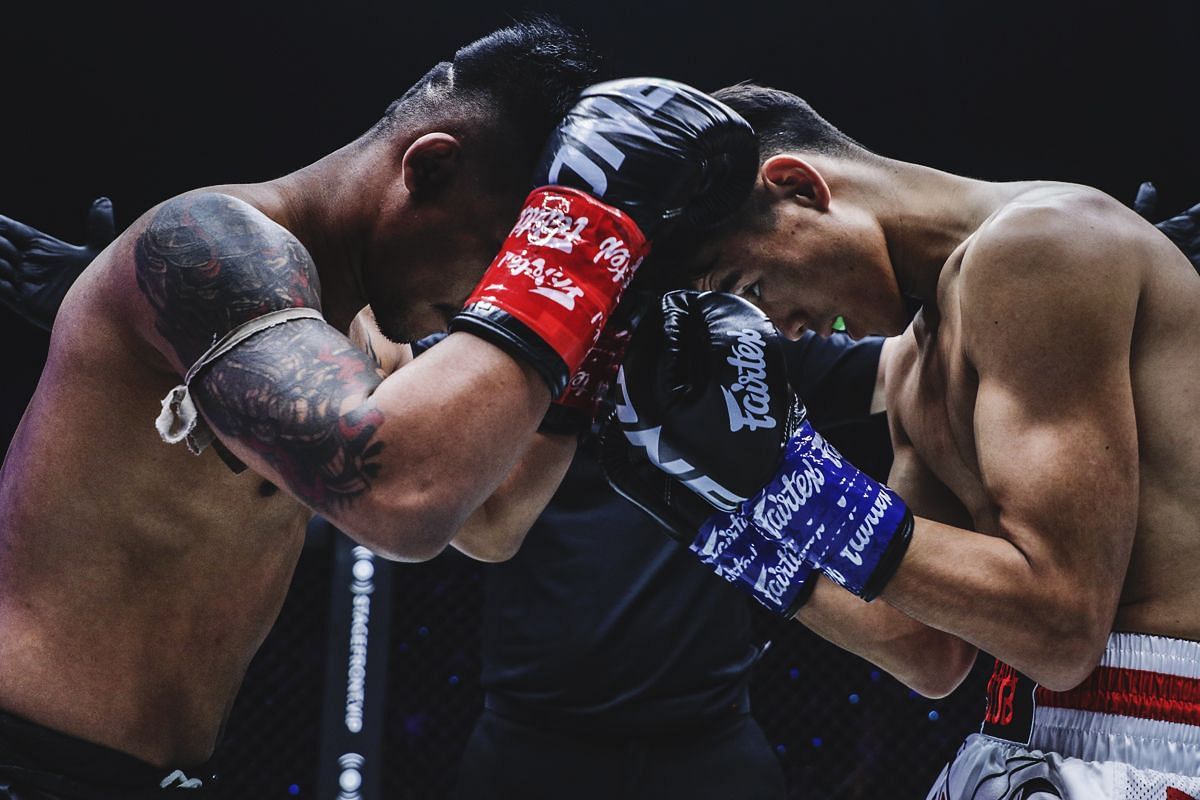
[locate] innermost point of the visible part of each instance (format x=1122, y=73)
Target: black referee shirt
x=602, y=622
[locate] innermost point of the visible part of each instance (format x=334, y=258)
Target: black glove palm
x=633, y=476
x=1182, y=229
x=36, y=269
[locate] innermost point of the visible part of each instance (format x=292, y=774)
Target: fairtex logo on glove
x=776, y=581
x=748, y=400
x=835, y=517
x=771, y=571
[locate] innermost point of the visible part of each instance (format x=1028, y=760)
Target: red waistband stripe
x=1131, y=693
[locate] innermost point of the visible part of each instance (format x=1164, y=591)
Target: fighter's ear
x=791, y=177
x=429, y=162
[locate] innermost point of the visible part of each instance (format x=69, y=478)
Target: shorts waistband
x=36, y=757
x=1141, y=706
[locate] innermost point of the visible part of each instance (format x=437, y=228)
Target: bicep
x=1059, y=464
x=295, y=399
x=1047, y=331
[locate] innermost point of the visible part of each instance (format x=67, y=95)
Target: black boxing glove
x=37, y=269
x=709, y=365
x=632, y=475
x=1183, y=229
x=666, y=154
x=812, y=504
x=630, y=162
x=773, y=574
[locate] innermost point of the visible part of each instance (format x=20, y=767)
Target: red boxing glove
x=573, y=411
x=559, y=276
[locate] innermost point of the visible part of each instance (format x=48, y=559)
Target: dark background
x=157, y=97
x=154, y=98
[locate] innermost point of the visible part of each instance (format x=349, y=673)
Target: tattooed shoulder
x=209, y=262
x=298, y=395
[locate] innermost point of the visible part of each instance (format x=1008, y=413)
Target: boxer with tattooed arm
x=1043, y=406
x=138, y=579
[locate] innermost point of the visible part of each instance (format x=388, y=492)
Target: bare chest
x=936, y=408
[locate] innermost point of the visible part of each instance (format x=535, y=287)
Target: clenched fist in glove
x=704, y=394
x=632, y=161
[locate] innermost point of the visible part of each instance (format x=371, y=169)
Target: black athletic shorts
x=37, y=763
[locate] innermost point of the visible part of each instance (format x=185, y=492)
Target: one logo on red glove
x=751, y=406
x=562, y=269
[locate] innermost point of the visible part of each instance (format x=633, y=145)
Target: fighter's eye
x=752, y=291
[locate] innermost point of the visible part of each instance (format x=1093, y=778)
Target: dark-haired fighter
x=137, y=579
x=1044, y=503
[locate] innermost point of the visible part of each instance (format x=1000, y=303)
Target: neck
x=326, y=205
x=925, y=214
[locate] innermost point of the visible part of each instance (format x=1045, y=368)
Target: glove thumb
x=1146, y=201
x=100, y=226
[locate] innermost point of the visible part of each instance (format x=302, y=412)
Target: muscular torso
x=136, y=579
x=933, y=387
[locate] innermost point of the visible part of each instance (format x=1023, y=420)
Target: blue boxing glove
x=705, y=394
x=770, y=571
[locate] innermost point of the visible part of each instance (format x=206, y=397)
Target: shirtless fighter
x=137, y=579
x=1044, y=504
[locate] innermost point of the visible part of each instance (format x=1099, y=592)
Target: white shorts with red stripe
x=1131, y=731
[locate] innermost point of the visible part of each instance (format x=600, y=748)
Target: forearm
x=459, y=419
x=925, y=659
x=497, y=528
x=1016, y=607
x=398, y=463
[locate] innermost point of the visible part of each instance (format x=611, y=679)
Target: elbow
x=1071, y=647
x=498, y=549
x=411, y=530
x=945, y=665
x=490, y=552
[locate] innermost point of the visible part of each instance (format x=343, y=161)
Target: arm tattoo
x=281, y=393
x=208, y=263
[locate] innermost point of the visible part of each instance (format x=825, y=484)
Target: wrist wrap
x=558, y=276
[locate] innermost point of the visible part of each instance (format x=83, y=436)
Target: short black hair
x=522, y=78
x=785, y=122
